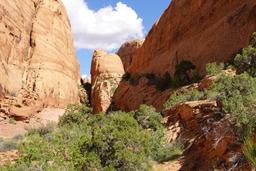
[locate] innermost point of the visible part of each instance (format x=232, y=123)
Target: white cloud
x=85, y=76
x=106, y=28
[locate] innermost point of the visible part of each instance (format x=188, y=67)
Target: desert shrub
x=246, y=61
x=249, y=150
x=165, y=82
x=182, y=76
x=153, y=79
x=9, y=144
x=180, y=97
x=148, y=117
x=182, y=72
x=169, y=152
x=134, y=79
x=196, y=77
x=58, y=149
x=161, y=149
x=43, y=129
x=114, y=141
x=237, y=97
x=253, y=40
x=119, y=142
x=214, y=68
x=161, y=83
x=74, y=114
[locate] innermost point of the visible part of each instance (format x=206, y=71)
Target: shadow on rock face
x=1, y=92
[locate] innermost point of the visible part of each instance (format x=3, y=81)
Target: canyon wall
x=36, y=52
x=127, y=50
x=201, y=31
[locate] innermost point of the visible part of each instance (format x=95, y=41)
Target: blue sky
x=147, y=10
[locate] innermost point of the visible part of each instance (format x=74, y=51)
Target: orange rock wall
x=36, y=51
x=201, y=31
x=127, y=50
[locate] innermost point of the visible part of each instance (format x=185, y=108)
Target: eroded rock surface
x=106, y=72
x=37, y=56
x=208, y=134
x=201, y=31
x=127, y=51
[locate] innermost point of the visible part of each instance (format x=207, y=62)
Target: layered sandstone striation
x=106, y=72
x=208, y=135
x=37, y=56
x=200, y=31
x=127, y=51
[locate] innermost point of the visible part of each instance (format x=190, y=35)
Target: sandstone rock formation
x=1, y=92
x=129, y=97
x=127, y=51
x=208, y=134
x=106, y=72
x=199, y=31
x=37, y=56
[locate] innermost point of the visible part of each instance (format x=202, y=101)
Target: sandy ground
x=167, y=166
x=10, y=129
x=9, y=156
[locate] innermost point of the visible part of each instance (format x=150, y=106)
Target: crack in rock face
x=37, y=53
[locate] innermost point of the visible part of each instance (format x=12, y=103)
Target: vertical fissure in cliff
x=30, y=75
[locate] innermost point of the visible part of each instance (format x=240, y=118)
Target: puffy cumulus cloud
x=106, y=28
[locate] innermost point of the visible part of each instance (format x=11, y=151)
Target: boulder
x=208, y=135
x=24, y=113
x=106, y=72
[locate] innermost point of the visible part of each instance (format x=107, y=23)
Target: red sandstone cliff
x=37, y=56
x=200, y=31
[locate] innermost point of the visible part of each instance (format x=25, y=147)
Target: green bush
x=119, y=142
x=75, y=114
x=214, y=68
x=237, y=96
x=182, y=76
x=161, y=83
x=9, y=144
x=43, y=129
x=180, y=97
x=147, y=117
x=169, y=152
x=161, y=149
x=165, y=82
x=82, y=141
x=134, y=79
x=182, y=72
x=246, y=61
x=249, y=150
